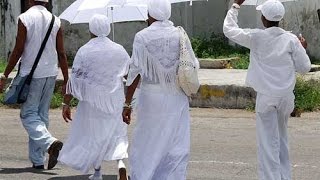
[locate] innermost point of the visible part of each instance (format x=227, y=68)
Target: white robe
x=97, y=131
x=161, y=140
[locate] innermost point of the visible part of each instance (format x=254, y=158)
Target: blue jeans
x=35, y=118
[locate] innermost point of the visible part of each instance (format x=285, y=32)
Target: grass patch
x=3, y=65
x=217, y=47
x=57, y=99
x=307, y=95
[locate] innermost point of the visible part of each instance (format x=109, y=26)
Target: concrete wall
x=201, y=19
x=9, y=9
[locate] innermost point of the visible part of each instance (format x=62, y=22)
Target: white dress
x=97, y=131
x=161, y=140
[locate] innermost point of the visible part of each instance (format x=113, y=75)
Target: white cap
x=272, y=10
x=42, y=0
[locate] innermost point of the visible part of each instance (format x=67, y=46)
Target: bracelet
x=127, y=106
x=64, y=104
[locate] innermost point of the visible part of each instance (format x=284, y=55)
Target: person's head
x=158, y=10
x=273, y=12
x=38, y=2
x=99, y=26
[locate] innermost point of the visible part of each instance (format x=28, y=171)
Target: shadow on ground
x=24, y=170
x=83, y=177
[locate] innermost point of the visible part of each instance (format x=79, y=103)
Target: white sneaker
x=92, y=177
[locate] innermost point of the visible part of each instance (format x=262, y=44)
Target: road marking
x=246, y=164
x=220, y=162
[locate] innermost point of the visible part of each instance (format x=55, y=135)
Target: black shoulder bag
x=18, y=90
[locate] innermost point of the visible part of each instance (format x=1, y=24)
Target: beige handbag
x=187, y=69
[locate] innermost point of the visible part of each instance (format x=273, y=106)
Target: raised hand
x=239, y=1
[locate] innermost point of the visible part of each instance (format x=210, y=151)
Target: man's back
x=275, y=58
x=37, y=20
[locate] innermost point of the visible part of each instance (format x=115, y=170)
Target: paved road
x=223, y=147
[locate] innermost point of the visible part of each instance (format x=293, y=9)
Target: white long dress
x=161, y=140
x=97, y=131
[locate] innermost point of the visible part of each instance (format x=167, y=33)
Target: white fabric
x=96, y=81
x=119, y=13
x=97, y=74
x=37, y=20
x=188, y=66
x=272, y=10
x=272, y=136
x=275, y=56
x=99, y=25
x=156, y=53
x=159, y=10
x=42, y=0
x=161, y=140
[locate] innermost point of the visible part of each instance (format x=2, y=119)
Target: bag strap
x=43, y=45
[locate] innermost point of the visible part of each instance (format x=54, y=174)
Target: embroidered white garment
x=155, y=56
x=161, y=140
x=97, y=131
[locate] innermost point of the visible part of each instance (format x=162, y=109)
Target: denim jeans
x=35, y=118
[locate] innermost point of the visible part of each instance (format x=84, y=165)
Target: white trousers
x=272, y=139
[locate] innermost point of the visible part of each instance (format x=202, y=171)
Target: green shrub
x=217, y=46
x=307, y=95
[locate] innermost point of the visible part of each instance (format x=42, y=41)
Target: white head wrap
x=99, y=25
x=43, y=0
x=159, y=9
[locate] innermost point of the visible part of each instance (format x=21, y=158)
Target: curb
x=224, y=96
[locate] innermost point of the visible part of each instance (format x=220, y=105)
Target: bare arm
x=18, y=49
x=62, y=56
x=16, y=53
x=130, y=92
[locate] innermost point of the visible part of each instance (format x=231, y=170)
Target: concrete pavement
x=223, y=147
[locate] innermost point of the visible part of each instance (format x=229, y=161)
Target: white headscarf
x=99, y=25
x=159, y=9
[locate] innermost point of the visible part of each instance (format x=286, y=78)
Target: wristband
x=236, y=6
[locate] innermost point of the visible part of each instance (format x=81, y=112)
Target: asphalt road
x=223, y=147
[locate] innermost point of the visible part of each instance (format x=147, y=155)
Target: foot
x=92, y=177
x=54, y=153
x=123, y=174
x=41, y=167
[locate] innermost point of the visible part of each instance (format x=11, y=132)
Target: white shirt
x=37, y=20
x=275, y=56
x=155, y=56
